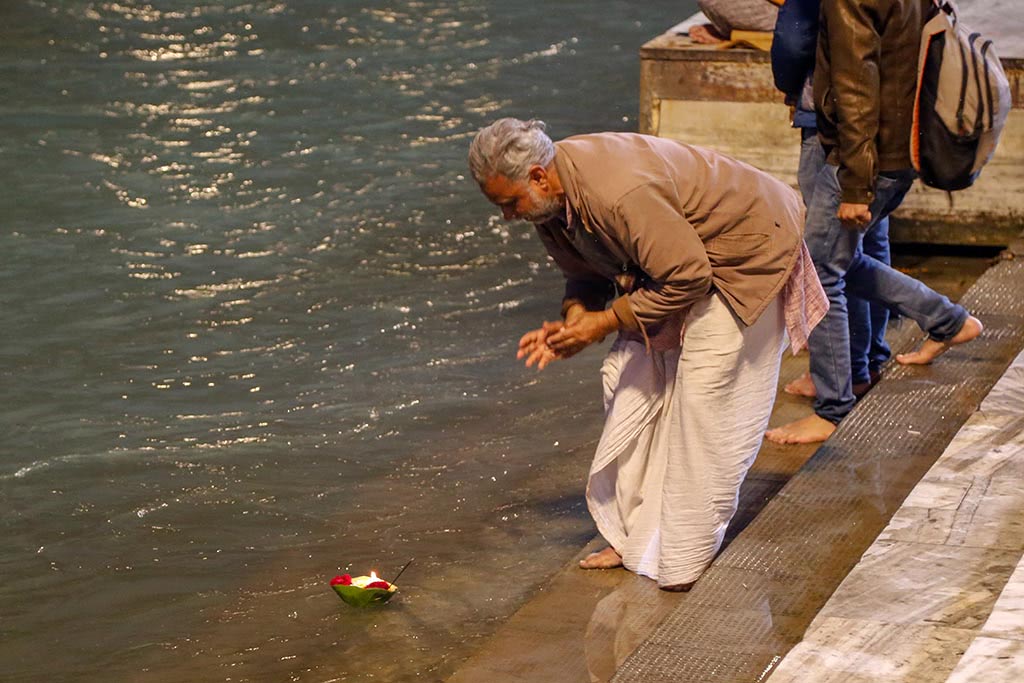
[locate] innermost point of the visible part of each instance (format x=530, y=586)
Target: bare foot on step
x=604, y=559
x=804, y=386
x=801, y=386
x=810, y=429
x=931, y=349
x=705, y=34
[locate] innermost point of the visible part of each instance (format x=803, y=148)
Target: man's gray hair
x=509, y=147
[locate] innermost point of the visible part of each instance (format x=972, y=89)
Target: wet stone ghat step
x=790, y=545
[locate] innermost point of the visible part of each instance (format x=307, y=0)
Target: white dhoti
x=682, y=428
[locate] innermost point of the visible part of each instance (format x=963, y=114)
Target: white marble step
x=996, y=655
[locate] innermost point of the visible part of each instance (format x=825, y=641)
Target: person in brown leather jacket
x=864, y=86
x=865, y=80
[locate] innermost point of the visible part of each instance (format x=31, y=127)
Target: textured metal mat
x=760, y=595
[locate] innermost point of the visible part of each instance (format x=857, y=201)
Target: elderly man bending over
x=702, y=259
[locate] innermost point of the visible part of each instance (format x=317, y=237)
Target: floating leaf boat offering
x=363, y=590
x=366, y=590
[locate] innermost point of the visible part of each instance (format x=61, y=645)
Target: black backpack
x=963, y=99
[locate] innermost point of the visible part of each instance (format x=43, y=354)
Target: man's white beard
x=547, y=207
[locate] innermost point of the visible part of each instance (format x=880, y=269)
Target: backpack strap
x=988, y=85
x=979, y=124
x=961, y=129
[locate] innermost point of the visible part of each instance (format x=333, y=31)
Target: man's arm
x=649, y=225
x=854, y=49
x=654, y=232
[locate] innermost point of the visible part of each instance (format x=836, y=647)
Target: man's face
x=529, y=200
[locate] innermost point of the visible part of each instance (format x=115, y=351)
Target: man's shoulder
x=604, y=167
x=603, y=143
x=621, y=155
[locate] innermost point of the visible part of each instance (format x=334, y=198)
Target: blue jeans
x=867, y=321
x=843, y=268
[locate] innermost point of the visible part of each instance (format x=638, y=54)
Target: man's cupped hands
x=557, y=340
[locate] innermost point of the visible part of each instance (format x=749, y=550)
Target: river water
x=259, y=330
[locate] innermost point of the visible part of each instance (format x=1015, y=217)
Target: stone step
x=939, y=596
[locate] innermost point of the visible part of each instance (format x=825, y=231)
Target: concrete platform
x=790, y=546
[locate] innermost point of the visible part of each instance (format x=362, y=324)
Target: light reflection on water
x=259, y=329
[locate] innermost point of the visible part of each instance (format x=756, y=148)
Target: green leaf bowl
x=363, y=597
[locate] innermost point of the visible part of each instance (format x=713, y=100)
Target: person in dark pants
x=865, y=78
x=793, y=53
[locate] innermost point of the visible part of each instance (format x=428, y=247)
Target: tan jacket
x=865, y=83
x=677, y=219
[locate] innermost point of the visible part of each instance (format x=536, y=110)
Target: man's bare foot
x=705, y=34
x=804, y=386
x=678, y=587
x=810, y=429
x=801, y=386
x=931, y=349
x=603, y=559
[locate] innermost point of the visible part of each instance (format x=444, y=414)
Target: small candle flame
x=373, y=576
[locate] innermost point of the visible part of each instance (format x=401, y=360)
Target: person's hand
x=534, y=348
x=581, y=331
x=573, y=314
x=854, y=215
